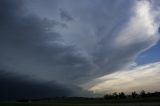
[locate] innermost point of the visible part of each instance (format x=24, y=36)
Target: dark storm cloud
x=17, y=87
x=96, y=24
x=31, y=46
x=104, y=37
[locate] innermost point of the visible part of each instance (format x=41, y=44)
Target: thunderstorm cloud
x=65, y=45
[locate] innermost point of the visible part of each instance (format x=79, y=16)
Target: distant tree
x=115, y=95
x=106, y=96
x=157, y=94
x=122, y=95
x=143, y=93
x=134, y=94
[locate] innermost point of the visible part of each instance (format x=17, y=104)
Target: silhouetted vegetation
x=115, y=99
x=120, y=97
x=133, y=95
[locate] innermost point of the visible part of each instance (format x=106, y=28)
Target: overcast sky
x=76, y=47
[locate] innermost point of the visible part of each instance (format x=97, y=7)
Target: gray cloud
x=18, y=87
x=98, y=24
x=65, y=15
x=104, y=37
x=24, y=42
x=25, y=51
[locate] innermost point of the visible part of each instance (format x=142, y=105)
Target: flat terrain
x=62, y=104
x=86, y=102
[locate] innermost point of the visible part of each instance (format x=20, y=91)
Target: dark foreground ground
x=85, y=102
x=65, y=104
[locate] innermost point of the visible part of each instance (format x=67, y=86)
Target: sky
x=78, y=48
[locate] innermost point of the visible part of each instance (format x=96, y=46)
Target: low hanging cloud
x=14, y=87
x=139, y=78
x=99, y=37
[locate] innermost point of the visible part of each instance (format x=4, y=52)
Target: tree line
x=134, y=94
x=114, y=96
